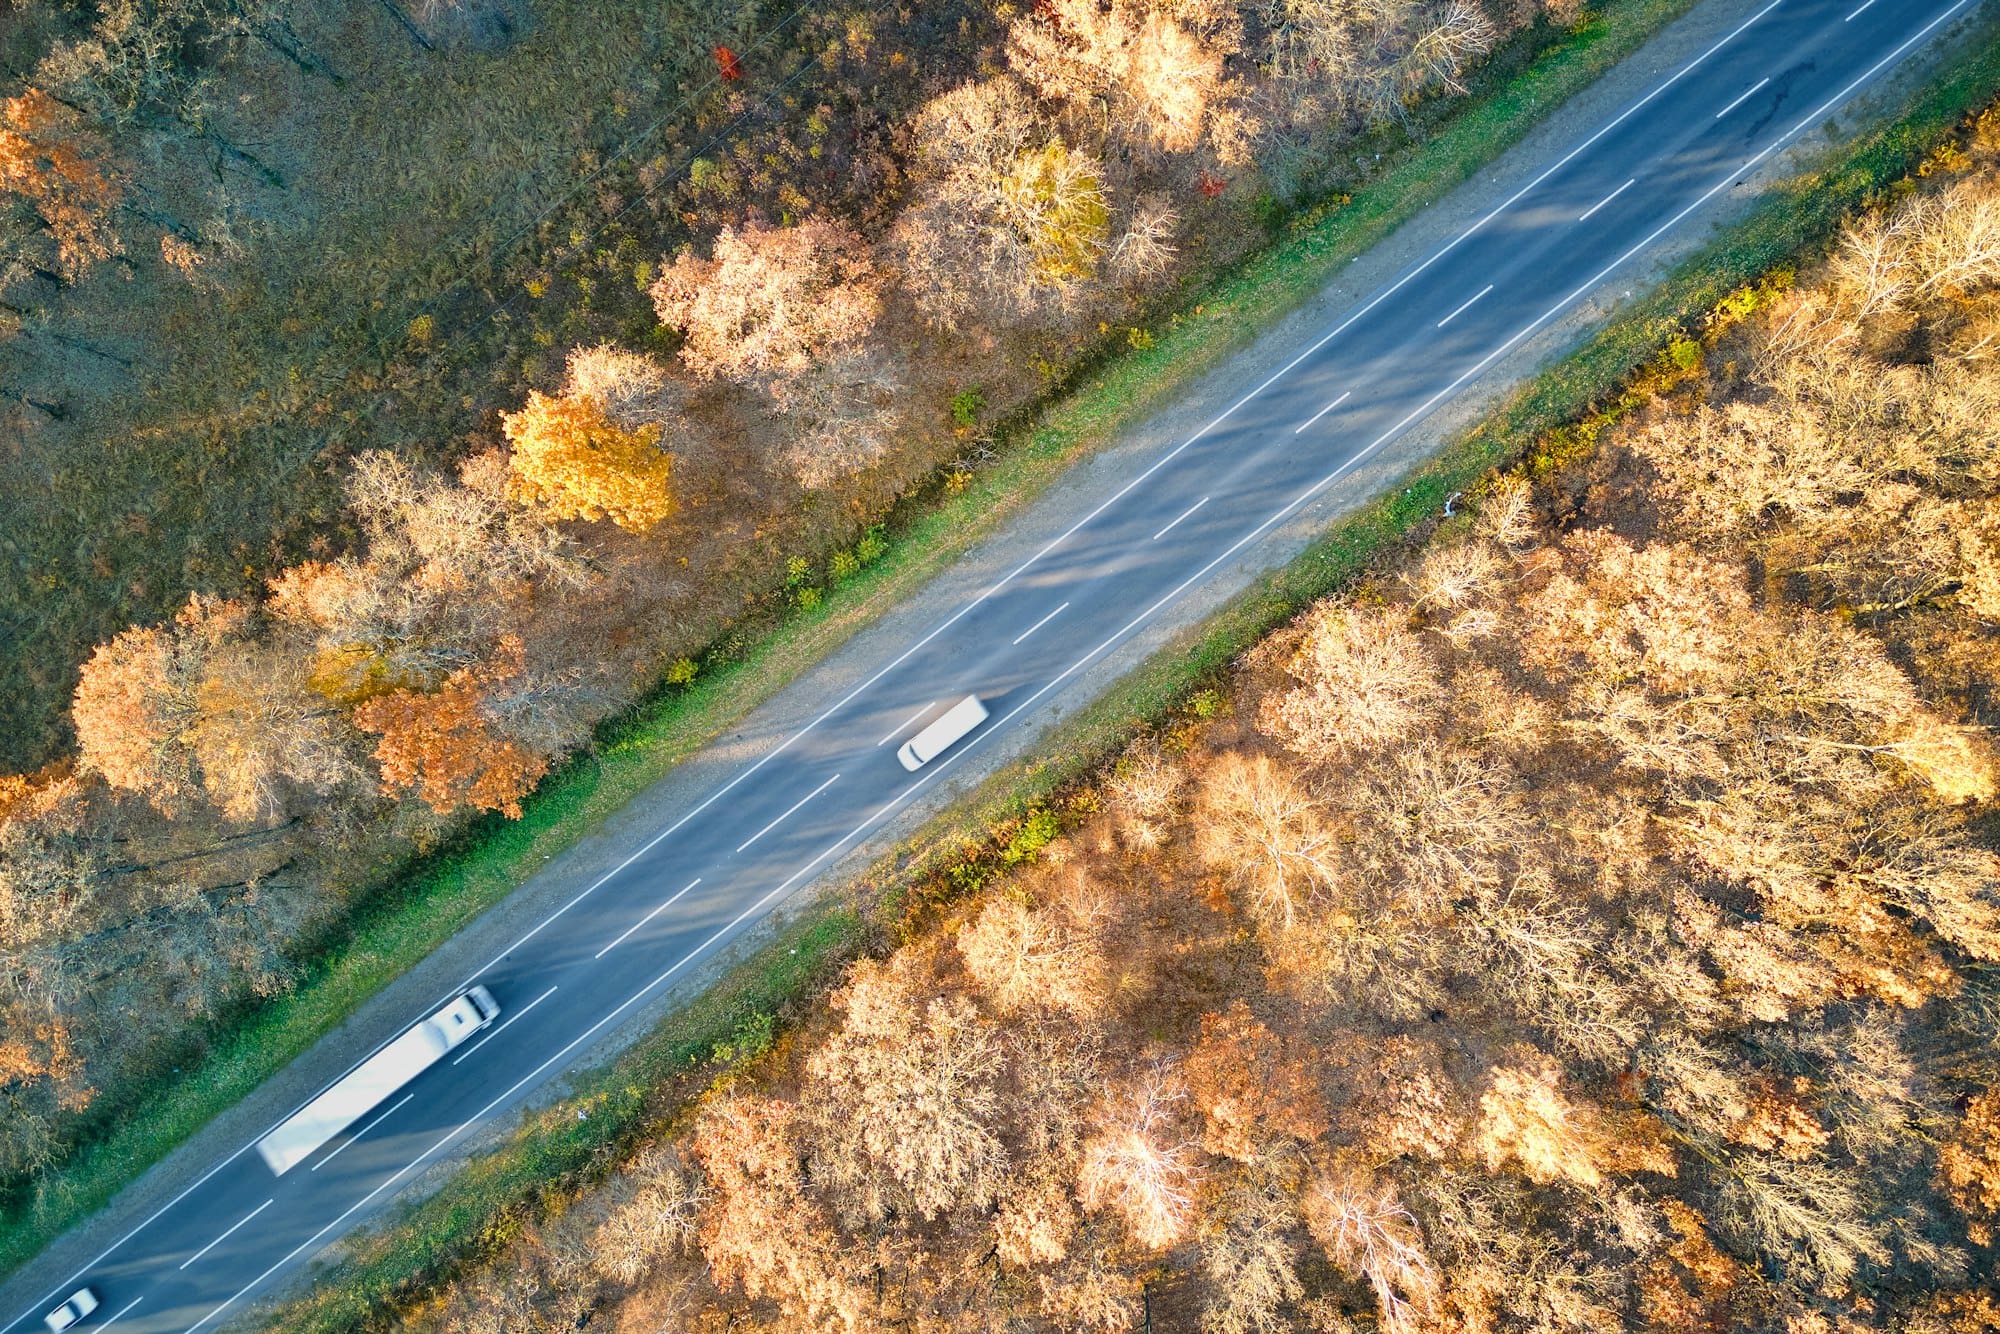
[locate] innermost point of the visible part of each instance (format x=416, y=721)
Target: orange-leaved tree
x=1969, y=1166
x=47, y=162
x=446, y=744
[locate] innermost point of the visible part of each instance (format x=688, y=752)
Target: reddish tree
x=47, y=161
x=1250, y=1090
x=445, y=745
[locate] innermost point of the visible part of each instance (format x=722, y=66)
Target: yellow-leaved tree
x=572, y=458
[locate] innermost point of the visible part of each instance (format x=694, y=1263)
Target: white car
x=941, y=735
x=72, y=1312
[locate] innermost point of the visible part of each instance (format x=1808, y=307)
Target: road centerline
x=896, y=731
x=1607, y=199
x=504, y=1025
x=1467, y=306
x=1630, y=110
x=359, y=1133
x=676, y=898
x=1057, y=612
x=1177, y=522
x=230, y=1231
x=1345, y=394
x=1864, y=6
x=120, y=1314
x=1607, y=127
x=788, y=814
x=1745, y=94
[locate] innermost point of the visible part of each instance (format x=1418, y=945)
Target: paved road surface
x=715, y=868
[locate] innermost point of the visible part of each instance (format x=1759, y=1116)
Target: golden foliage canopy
x=570, y=457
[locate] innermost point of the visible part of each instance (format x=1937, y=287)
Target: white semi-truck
x=365, y=1086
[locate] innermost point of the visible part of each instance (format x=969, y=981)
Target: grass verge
x=410, y=918
x=554, y=1156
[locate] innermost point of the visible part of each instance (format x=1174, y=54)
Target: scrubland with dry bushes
x=1589, y=922
x=387, y=568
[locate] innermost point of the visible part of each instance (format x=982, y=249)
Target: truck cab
x=465, y=1016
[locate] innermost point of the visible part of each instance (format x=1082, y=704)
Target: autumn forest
x=1591, y=921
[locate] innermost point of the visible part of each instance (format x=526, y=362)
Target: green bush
x=966, y=405
x=751, y=1039
x=1036, y=832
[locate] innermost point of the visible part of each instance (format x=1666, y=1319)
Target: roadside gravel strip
x=1139, y=542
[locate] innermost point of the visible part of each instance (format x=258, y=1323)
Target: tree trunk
x=409, y=25
x=285, y=41
x=54, y=410
x=229, y=150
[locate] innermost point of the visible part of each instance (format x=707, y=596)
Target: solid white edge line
x=120, y=1315
x=1177, y=522
x=502, y=1027
x=1447, y=248
x=1742, y=96
x=231, y=1230
x=788, y=814
x=1345, y=394
x=1467, y=306
x=359, y=1133
x=898, y=729
x=1607, y=199
x=479, y=1115
x=1046, y=619
x=676, y=898
x=1306, y=495
x=1857, y=13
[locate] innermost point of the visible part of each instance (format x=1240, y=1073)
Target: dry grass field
x=343, y=303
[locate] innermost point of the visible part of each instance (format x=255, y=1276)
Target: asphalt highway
x=720, y=865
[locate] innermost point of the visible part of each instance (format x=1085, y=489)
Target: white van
x=939, y=737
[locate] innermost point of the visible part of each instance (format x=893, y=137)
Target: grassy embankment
x=554, y=1155
x=1444, y=144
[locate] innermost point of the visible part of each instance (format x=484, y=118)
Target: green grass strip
x=554, y=1156
x=411, y=916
